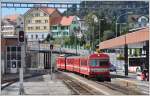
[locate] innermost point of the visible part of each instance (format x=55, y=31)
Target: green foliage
x=120, y=57
x=87, y=46
x=108, y=35
x=82, y=41
x=49, y=38
x=71, y=11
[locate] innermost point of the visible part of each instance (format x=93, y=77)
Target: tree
x=82, y=41
x=108, y=35
x=48, y=38
x=71, y=11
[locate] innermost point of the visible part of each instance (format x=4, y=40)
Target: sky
x=10, y=11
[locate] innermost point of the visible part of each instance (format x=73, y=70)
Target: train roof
x=91, y=55
x=77, y=57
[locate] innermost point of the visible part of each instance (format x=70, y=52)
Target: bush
x=120, y=57
x=108, y=35
x=87, y=46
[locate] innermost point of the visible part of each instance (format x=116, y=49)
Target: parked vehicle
x=112, y=68
x=94, y=65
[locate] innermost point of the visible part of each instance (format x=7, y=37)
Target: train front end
x=99, y=66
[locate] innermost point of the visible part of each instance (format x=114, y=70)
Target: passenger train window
x=98, y=62
x=93, y=63
x=83, y=62
x=103, y=63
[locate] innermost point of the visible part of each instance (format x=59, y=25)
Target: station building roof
x=137, y=36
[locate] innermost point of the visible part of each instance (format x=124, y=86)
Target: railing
x=45, y=47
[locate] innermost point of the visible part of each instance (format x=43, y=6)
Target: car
x=112, y=68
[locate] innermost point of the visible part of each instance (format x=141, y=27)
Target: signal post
x=51, y=49
x=21, y=40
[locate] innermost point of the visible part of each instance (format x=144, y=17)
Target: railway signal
x=21, y=39
x=51, y=66
x=21, y=36
x=51, y=47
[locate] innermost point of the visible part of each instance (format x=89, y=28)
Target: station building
x=134, y=47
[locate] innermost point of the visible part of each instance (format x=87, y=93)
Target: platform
x=40, y=85
x=130, y=81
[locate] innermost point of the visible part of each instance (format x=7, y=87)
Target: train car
x=73, y=64
x=99, y=66
x=61, y=63
x=94, y=65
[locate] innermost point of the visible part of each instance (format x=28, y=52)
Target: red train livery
x=94, y=65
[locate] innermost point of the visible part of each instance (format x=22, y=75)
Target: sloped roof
x=134, y=18
x=55, y=20
x=48, y=10
x=130, y=38
x=65, y=20
x=12, y=17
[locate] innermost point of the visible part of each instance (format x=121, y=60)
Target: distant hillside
x=109, y=8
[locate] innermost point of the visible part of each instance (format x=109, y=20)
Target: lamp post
x=100, y=29
x=95, y=19
x=39, y=52
x=118, y=19
x=121, y=26
x=75, y=33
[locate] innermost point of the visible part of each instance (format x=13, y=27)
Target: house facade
x=12, y=24
x=64, y=26
x=8, y=25
x=37, y=22
x=137, y=21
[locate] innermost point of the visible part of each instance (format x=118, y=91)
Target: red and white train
x=94, y=65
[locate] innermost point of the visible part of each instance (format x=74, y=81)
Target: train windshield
x=97, y=62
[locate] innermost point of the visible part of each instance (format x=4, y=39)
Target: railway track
x=6, y=83
x=124, y=90
x=77, y=87
x=107, y=87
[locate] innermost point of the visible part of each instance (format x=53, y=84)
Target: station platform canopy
x=135, y=39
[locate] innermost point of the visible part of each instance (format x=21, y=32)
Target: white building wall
x=40, y=35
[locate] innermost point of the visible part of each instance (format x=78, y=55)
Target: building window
x=67, y=27
x=45, y=14
x=37, y=21
x=62, y=27
x=73, y=22
x=32, y=36
x=54, y=27
x=28, y=28
x=45, y=27
x=29, y=21
x=46, y=21
x=37, y=28
x=36, y=36
x=37, y=14
x=13, y=48
x=31, y=28
x=42, y=36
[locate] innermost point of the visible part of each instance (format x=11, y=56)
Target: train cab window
x=93, y=63
x=103, y=63
x=99, y=62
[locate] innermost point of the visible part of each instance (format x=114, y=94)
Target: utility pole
x=126, y=57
